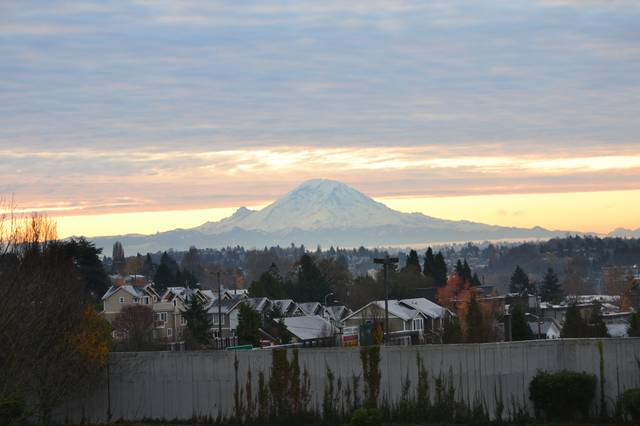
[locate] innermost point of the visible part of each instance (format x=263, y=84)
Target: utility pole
x=538, y=312
x=385, y=262
x=219, y=308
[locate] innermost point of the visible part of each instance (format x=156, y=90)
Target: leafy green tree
x=198, y=322
x=519, y=327
x=413, y=263
x=574, y=325
x=634, y=325
x=550, y=290
x=86, y=258
x=519, y=281
x=249, y=322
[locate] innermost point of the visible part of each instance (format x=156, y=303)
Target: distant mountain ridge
x=324, y=212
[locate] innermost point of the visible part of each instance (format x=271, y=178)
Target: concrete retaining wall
x=181, y=385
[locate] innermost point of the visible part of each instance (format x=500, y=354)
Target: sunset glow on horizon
x=144, y=117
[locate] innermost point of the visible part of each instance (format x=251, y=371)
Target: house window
x=418, y=324
x=146, y=300
x=162, y=316
x=121, y=300
x=215, y=319
x=183, y=321
x=169, y=332
x=136, y=300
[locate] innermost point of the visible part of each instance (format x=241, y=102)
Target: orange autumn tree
x=477, y=321
x=93, y=339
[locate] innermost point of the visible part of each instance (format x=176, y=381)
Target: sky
x=143, y=116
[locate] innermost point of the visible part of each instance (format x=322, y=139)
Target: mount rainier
x=324, y=212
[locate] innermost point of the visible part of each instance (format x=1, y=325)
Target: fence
x=184, y=385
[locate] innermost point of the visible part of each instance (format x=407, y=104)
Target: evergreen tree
x=466, y=271
x=249, y=322
x=597, y=327
x=519, y=327
x=634, y=325
x=429, y=264
x=413, y=263
x=440, y=270
x=163, y=279
x=198, y=322
x=268, y=285
x=185, y=278
x=519, y=281
x=574, y=325
x=475, y=280
x=452, y=332
x=459, y=269
x=310, y=285
x=550, y=290
x=148, y=267
x=118, y=262
x=474, y=320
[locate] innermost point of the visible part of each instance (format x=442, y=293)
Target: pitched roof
x=310, y=308
x=134, y=290
x=308, y=327
x=226, y=306
x=425, y=306
x=257, y=303
x=396, y=309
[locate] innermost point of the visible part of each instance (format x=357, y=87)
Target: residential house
x=310, y=329
x=224, y=315
x=434, y=314
x=549, y=328
x=288, y=308
x=119, y=296
x=401, y=316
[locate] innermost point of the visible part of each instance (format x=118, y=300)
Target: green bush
x=10, y=410
x=366, y=417
x=563, y=395
x=631, y=403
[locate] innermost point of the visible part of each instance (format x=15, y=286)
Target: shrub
x=562, y=395
x=366, y=417
x=10, y=410
x=631, y=402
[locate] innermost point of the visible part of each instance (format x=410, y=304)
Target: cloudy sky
x=147, y=115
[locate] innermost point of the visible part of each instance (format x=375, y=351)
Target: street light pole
x=325, y=299
x=219, y=307
x=386, y=261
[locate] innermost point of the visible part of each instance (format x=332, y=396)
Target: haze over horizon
x=149, y=116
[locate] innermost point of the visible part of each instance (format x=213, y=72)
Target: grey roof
x=396, y=309
x=308, y=327
x=184, y=293
x=425, y=306
x=310, y=308
x=257, y=303
x=134, y=290
x=226, y=306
